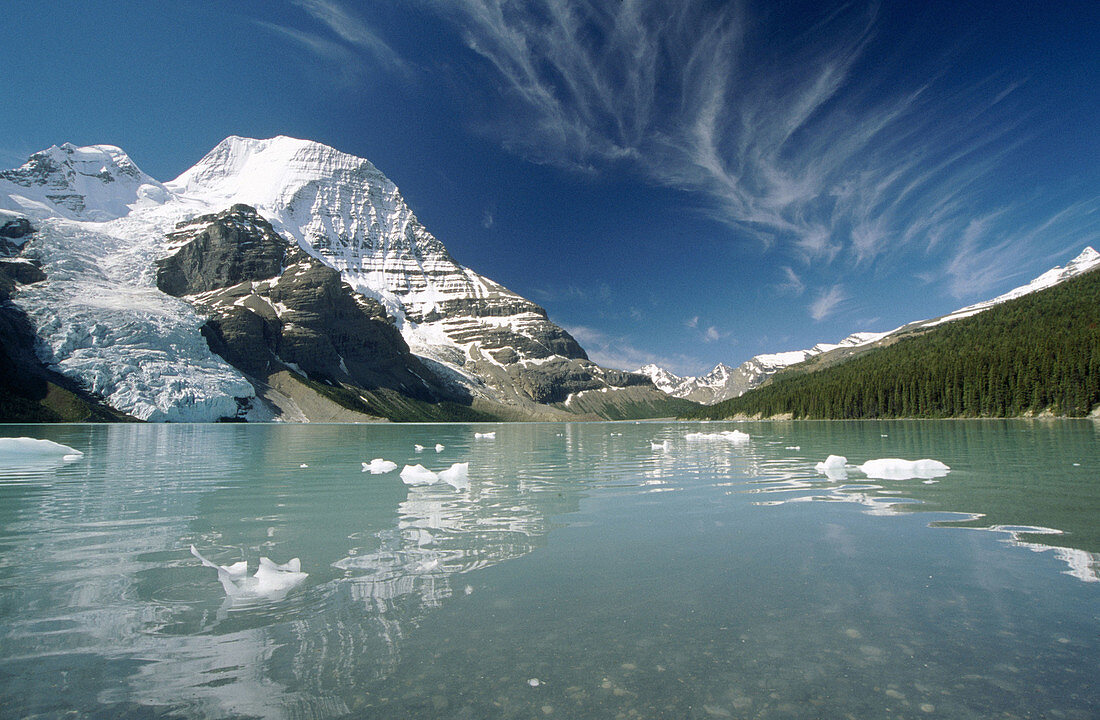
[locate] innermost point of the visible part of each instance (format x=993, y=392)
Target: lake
x=589, y=570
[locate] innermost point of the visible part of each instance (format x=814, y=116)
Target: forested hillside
x=1040, y=352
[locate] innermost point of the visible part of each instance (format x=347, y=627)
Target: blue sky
x=676, y=182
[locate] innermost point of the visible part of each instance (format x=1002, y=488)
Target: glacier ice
x=457, y=476
x=834, y=467
x=485, y=435
x=22, y=447
x=898, y=469
x=418, y=475
x=378, y=466
x=418, y=448
x=833, y=462
x=271, y=581
x=659, y=446
x=733, y=436
x=439, y=447
x=31, y=455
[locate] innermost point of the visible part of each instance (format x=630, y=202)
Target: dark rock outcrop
x=271, y=308
x=216, y=251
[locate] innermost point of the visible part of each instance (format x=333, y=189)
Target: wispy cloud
x=339, y=56
x=826, y=302
x=344, y=40
x=987, y=255
x=353, y=31
x=616, y=351
x=792, y=284
x=799, y=146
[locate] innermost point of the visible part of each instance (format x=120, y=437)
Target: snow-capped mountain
x=101, y=226
x=96, y=183
x=724, y=382
x=706, y=389
x=1085, y=261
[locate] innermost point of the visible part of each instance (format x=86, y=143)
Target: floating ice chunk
x=438, y=448
x=457, y=476
x=418, y=475
x=659, y=446
x=486, y=435
x=833, y=462
x=378, y=466
x=534, y=682
x=733, y=436
x=18, y=450
x=271, y=581
x=303, y=465
x=418, y=448
x=897, y=469
x=833, y=467
x=794, y=447
x=427, y=565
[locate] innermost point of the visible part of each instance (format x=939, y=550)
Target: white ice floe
x=378, y=466
x=418, y=448
x=418, y=475
x=897, y=469
x=832, y=462
x=438, y=448
x=303, y=465
x=833, y=467
x=660, y=446
x=732, y=436
x=271, y=581
x=486, y=435
x=457, y=476
x=21, y=448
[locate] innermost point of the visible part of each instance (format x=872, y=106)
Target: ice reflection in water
x=800, y=482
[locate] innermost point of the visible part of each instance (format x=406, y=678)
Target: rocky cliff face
x=273, y=308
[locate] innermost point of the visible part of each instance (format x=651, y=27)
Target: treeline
x=1037, y=353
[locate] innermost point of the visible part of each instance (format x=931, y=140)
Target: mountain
x=724, y=383
x=1037, y=352
x=276, y=279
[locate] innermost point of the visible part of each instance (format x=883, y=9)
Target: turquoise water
x=585, y=573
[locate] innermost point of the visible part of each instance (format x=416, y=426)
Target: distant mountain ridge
x=1035, y=354
x=99, y=228
x=724, y=383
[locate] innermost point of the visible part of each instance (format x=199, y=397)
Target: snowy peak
x=338, y=207
x=1085, y=261
x=719, y=384
x=663, y=379
x=268, y=172
x=97, y=183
